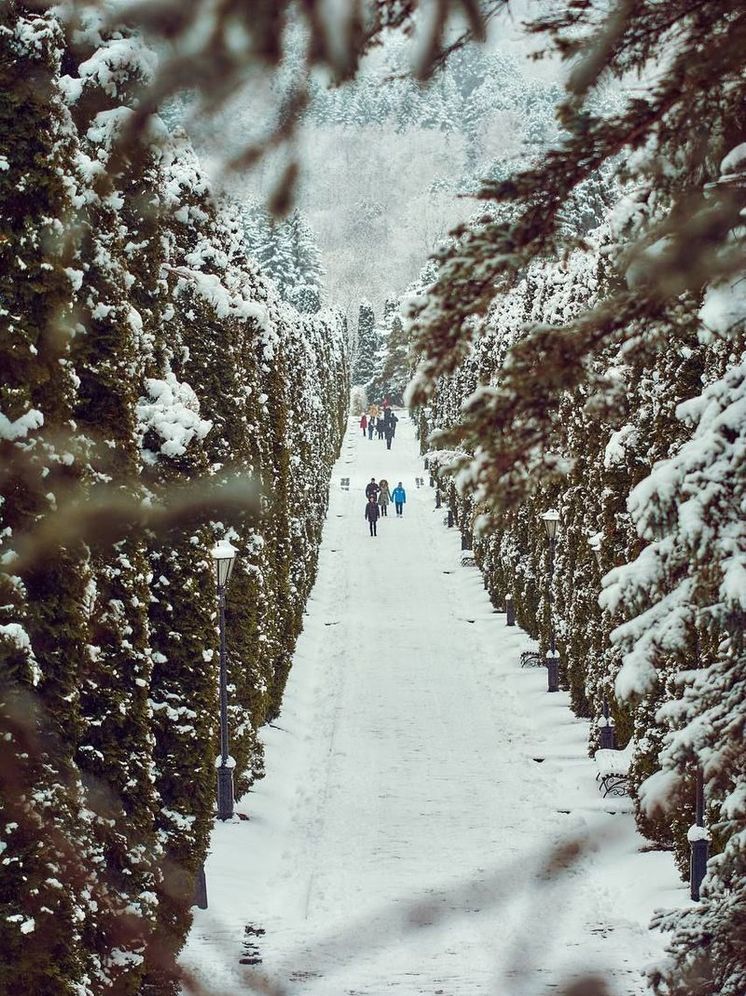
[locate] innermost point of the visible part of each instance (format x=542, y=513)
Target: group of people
x=379, y=498
x=384, y=425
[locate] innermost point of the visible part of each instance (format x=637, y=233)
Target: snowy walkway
x=417, y=781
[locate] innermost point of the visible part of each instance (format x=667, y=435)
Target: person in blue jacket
x=400, y=496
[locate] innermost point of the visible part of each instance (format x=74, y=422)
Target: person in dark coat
x=364, y=423
x=371, y=426
x=392, y=422
x=400, y=496
x=372, y=489
x=380, y=426
x=389, y=433
x=371, y=514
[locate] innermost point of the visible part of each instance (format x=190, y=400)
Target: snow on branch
x=225, y=303
x=171, y=411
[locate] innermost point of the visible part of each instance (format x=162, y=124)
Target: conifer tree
x=304, y=285
x=367, y=345
x=627, y=358
x=133, y=323
x=181, y=613
x=393, y=368
x=273, y=253
x=46, y=891
x=691, y=571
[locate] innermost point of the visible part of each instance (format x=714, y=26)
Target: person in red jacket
x=371, y=514
x=364, y=423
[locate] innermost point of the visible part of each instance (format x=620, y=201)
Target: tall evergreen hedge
x=148, y=367
x=643, y=457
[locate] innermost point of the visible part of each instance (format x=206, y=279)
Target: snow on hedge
x=171, y=411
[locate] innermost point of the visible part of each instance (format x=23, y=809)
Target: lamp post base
x=200, y=889
x=552, y=674
x=700, y=850
x=225, y=792
x=606, y=737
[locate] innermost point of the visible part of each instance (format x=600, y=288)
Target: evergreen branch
x=106, y=515
x=483, y=257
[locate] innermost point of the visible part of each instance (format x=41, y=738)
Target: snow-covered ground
x=429, y=822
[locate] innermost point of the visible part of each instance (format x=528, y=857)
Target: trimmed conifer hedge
x=643, y=459
x=150, y=371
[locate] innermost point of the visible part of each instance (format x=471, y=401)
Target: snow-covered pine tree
x=367, y=345
x=683, y=599
x=394, y=368
x=255, y=221
x=288, y=254
x=382, y=330
x=307, y=271
x=633, y=360
x=687, y=587
x=273, y=253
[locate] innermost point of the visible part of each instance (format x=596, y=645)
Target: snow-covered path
x=417, y=783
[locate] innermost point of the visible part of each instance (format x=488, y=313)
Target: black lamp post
x=606, y=728
x=605, y=723
x=509, y=611
x=223, y=558
x=699, y=839
x=594, y=542
x=551, y=522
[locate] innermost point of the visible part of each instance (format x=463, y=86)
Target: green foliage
x=608, y=380
x=42, y=626
x=364, y=365
x=392, y=376
x=144, y=353
x=288, y=254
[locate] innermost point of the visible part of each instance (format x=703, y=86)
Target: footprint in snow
x=251, y=955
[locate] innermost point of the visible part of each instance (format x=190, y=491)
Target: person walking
x=371, y=427
x=384, y=496
x=372, y=489
x=380, y=426
x=389, y=433
x=371, y=514
x=400, y=496
x=392, y=422
x=364, y=423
